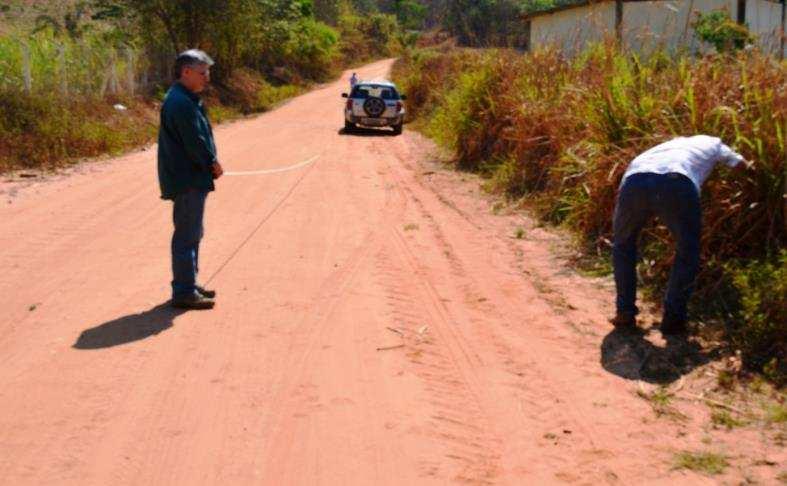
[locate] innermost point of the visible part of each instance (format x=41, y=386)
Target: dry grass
x=560, y=132
x=46, y=130
x=709, y=463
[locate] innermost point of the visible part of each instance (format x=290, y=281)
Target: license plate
x=373, y=122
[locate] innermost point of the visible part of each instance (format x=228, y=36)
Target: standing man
x=664, y=181
x=353, y=81
x=187, y=166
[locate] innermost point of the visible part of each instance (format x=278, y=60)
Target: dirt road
x=376, y=325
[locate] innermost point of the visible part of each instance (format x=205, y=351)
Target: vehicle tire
x=374, y=107
x=397, y=129
x=349, y=125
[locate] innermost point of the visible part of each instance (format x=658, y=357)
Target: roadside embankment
x=556, y=135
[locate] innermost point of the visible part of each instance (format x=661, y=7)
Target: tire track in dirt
x=442, y=358
x=72, y=235
x=538, y=410
x=458, y=419
x=295, y=396
x=542, y=404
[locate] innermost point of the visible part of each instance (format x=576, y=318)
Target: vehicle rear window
x=384, y=92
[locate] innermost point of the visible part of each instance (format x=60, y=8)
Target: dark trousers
x=189, y=209
x=674, y=199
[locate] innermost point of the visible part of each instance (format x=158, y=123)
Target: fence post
x=145, y=81
x=63, y=69
x=28, y=77
x=106, y=79
x=113, y=74
x=130, y=71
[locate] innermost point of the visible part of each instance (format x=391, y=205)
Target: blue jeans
x=189, y=209
x=674, y=199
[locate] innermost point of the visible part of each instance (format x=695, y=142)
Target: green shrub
x=370, y=36
x=313, y=49
x=760, y=332
x=718, y=29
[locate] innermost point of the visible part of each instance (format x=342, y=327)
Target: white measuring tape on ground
x=273, y=171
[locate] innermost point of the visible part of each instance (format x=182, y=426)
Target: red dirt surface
x=376, y=324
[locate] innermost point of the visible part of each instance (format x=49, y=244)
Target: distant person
x=664, y=181
x=353, y=81
x=187, y=166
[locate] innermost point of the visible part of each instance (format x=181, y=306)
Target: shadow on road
x=367, y=132
x=126, y=329
x=626, y=353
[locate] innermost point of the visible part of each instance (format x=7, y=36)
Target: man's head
x=192, y=69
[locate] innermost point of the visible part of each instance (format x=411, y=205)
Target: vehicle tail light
x=399, y=106
x=350, y=104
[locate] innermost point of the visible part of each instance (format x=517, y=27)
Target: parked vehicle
x=374, y=104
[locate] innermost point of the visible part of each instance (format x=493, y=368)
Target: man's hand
x=744, y=165
x=216, y=169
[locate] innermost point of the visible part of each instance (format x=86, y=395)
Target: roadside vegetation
x=81, y=78
x=709, y=463
x=556, y=134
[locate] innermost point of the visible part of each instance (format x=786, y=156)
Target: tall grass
x=560, y=132
x=67, y=111
x=83, y=67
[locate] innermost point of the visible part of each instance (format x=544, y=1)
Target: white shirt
x=695, y=157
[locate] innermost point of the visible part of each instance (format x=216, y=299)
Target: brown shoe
x=624, y=320
x=193, y=301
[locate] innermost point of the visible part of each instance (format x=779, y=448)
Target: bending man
x=664, y=181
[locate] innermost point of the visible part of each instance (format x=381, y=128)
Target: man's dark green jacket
x=186, y=149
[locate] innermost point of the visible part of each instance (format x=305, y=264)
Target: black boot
x=624, y=320
x=193, y=301
x=210, y=294
x=672, y=326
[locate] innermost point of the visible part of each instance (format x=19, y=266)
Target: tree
x=327, y=11
x=718, y=29
x=225, y=28
x=484, y=22
x=409, y=13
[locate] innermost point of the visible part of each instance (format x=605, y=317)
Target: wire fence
x=83, y=67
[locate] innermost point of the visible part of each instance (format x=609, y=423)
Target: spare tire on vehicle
x=374, y=107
